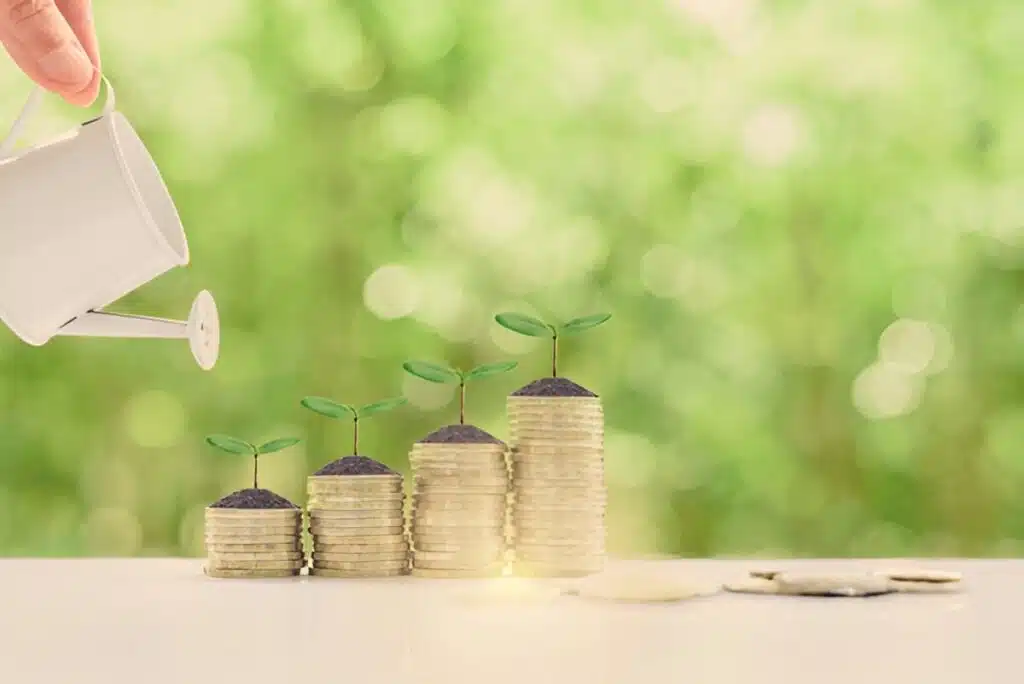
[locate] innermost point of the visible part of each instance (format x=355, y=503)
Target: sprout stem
x=462, y=402
x=355, y=437
x=255, y=469
x=554, y=355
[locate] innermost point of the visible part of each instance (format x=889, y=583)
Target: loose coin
x=926, y=587
x=922, y=575
x=829, y=585
x=639, y=588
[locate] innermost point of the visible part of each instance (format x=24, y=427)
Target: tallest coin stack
x=558, y=487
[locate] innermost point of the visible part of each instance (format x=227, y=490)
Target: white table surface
x=153, y=621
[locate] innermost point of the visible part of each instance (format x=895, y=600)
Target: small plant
x=534, y=327
x=432, y=372
x=233, y=445
x=334, y=409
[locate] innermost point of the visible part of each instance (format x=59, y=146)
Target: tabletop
x=153, y=621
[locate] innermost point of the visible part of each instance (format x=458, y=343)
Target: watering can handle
x=34, y=100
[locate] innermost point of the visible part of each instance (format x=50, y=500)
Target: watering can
x=84, y=220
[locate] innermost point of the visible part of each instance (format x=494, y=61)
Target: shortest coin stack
x=357, y=520
x=253, y=533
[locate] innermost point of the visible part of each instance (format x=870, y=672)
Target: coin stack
x=254, y=542
x=558, y=488
x=459, y=506
x=357, y=523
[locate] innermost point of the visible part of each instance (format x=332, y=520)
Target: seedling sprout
x=337, y=410
x=233, y=445
x=433, y=372
x=534, y=327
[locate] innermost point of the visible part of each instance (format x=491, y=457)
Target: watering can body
x=84, y=220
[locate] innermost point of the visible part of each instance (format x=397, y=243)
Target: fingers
x=42, y=42
x=78, y=14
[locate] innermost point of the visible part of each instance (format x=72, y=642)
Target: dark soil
x=553, y=387
x=460, y=434
x=253, y=498
x=355, y=465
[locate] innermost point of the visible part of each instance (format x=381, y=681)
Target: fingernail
x=68, y=65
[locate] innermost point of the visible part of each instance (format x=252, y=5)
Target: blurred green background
x=806, y=217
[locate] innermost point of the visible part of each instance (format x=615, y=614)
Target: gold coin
x=493, y=507
x=491, y=464
x=459, y=537
x=456, y=449
x=467, y=475
x=584, y=472
x=558, y=521
x=349, y=486
x=922, y=575
x=385, y=547
x=243, y=527
x=331, y=530
x=320, y=557
x=528, y=402
x=257, y=547
x=541, y=451
x=496, y=548
x=429, y=573
x=579, y=509
x=343, y=500
x=258, y=514
x=455, y=485
x=218, y=564
x=926, y=587
x=351, y=536
x=833, y=585
x=432, y=518
x=456, y=559
x=244, y=556
x=639, y=588
x=373, y=519
x=548, y=541
x=369, y=573
x=362, y=508
x=283, y=538
x=351, y=566
x=224, y=573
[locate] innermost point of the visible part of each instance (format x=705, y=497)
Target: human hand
x=54, y=43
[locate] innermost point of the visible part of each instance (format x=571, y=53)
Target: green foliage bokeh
x=806, y=218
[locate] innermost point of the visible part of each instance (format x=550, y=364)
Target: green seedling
x=433, y=372
x=233, y=445
x=334, y=409
x=534, y=327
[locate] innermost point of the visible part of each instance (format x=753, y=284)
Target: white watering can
x=85, y=220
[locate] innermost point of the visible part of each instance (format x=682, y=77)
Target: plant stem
x=255, y=470
x=554, y=356
x=462, y=403
x=355, y=437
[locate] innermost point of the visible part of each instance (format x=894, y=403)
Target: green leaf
x=328, y=407
x=578, y=325
x=230, y=444
x=432, y=372
x=488, y=369
x=381, y=406
x=277, y=444
x=524, y=325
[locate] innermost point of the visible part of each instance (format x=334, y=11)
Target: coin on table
x=833, y=585
x=922, y=575
x=353, y=566
x=223, y=573
x=315, y=571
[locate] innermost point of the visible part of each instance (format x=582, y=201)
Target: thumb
x=45, y=46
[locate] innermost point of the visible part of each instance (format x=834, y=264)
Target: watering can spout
x=202, y=329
